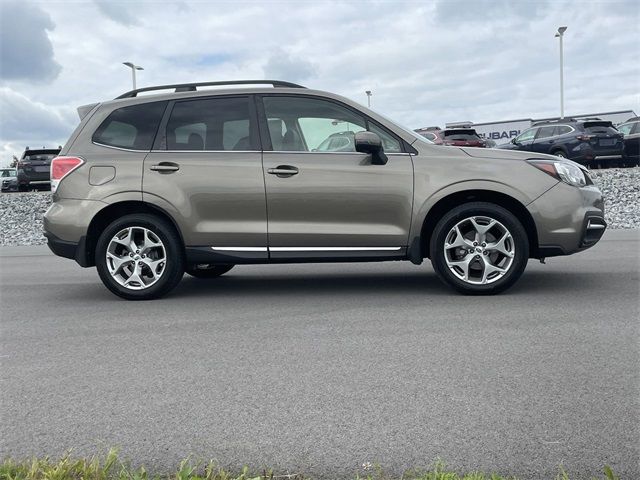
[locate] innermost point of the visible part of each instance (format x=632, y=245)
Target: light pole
x=133, y=71
x=560, y=35
x=368, y=92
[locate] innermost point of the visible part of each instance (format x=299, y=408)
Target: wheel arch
x=452, y=200
x=116, y=210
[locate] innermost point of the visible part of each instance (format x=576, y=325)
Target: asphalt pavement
x=321, y=368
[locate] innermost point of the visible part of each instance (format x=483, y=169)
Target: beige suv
x=150, y=186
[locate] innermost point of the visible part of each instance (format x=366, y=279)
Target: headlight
x=565, y=171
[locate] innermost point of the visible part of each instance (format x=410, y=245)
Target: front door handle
x=283, y=171
x=165, y=167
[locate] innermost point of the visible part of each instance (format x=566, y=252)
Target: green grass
x=110, y=467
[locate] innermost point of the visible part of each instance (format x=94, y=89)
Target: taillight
x=585, y=138
x=61, y=167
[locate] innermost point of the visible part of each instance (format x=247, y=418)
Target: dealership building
x=503, y=131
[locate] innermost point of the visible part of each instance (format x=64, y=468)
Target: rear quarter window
x=131, y=127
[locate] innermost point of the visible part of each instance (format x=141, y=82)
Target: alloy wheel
x=136, y=258
x=479, y=250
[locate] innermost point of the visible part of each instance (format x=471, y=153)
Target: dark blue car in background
x=590, y=142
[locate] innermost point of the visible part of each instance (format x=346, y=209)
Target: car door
x=206, y=171
x=544, y=140
x=324, y=199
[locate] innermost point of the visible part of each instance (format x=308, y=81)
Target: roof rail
x=191, y=87
x=554, y=120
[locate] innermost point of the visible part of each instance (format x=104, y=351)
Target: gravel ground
x=21, y=213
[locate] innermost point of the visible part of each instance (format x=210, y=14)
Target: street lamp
x=368, y=92
x=133, y=71
x=560, y=35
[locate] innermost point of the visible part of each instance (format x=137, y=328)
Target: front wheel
x=139, y=257
x=479, y=248
x=209, y=271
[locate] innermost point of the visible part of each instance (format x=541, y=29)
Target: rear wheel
x=139, y=257
x=560, y=153
x=209, y=271
x=479, y=248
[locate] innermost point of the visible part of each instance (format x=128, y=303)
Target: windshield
x=8, y=172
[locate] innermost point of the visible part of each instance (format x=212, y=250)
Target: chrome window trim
x=330, y=153
x=119, y=148
x=205, y=151
x=255, y=151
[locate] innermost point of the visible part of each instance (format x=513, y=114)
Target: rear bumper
x=568, y=219
x=65, y=226
x=34, y=178
x=66, y=249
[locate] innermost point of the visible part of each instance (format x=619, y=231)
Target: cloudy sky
x=427, y=62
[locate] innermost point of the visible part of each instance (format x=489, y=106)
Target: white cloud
x=26, y=51
x=427, y=63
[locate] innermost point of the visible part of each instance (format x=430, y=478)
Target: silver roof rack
x=192, y=87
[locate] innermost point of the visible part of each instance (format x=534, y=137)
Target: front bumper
x=9, y=185
x=568, y=219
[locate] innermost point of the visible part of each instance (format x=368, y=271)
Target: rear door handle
x=283, y=171
x=165, y=167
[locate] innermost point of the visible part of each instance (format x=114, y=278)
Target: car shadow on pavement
x=322, y=284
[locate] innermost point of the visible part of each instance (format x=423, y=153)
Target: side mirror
x=513, y=140
x=370, y=143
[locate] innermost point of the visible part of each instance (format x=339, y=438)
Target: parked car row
x=591, y=142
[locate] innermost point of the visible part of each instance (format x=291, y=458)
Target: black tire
x=560, y=153
x=481, y=209
x=173, y=269
x=212, y=271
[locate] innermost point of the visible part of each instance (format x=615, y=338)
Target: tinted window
x=599, y=127
x=210, y=124
x=563, y=129
x=546, y=132
x=131, y=127
x=316, y=125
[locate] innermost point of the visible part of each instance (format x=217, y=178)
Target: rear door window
x=133, y=127
x=546, y=132
x=214, y=124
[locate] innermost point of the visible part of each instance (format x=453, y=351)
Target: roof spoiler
x=84, y=109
